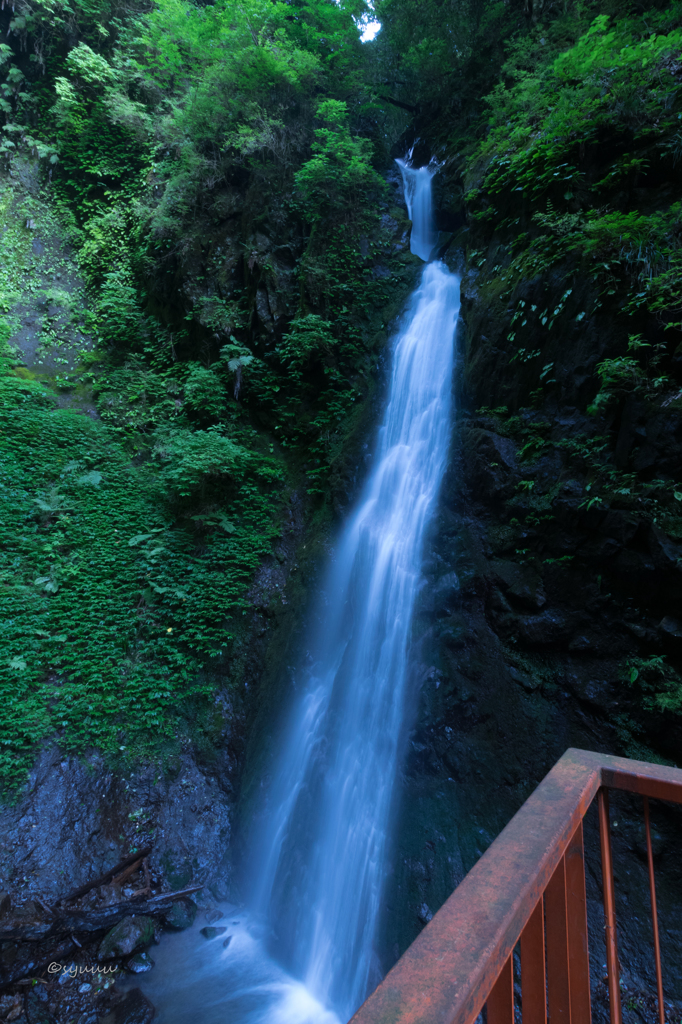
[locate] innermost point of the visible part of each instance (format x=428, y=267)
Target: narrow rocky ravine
x=205, y=258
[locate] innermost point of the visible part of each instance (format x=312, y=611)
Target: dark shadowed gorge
x=205, y=262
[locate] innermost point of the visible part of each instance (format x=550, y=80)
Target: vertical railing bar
x=576, y=917
x=500, y=1004
x=610, y=934
x=654, y=912
x=533, y=971
x=556, y=936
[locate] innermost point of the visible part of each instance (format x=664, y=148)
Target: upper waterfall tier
x=417, y=190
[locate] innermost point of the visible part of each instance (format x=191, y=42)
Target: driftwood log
x=107, y=876
x=75, y=922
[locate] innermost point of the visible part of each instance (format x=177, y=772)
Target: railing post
x=578, y=956
x=533, y=974
x=610, y=935
x=500, y=1004
x=654, y=913
x=558, y=983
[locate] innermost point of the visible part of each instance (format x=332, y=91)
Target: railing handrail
x=447, y=974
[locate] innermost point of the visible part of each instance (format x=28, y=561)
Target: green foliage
x=566, y=145
x=590, y=457
x=625, y=375
x=309, y=338
x=120, y=318
x=338, y=181
x=613, y=79
x=444, y=55
x=204, y=392
x=658, y=681
x=204, y=461
x=116, y=583
x=304, y=389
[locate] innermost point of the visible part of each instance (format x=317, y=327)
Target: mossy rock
x=181, y=915
x=125, y=937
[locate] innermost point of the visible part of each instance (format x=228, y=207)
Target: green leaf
x=92, y=479
x=139, y=538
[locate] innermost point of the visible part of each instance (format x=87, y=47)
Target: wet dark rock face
x=77, y=820
x=520, y=642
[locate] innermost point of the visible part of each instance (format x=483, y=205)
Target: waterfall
x=417, y=190
x=323, y=851
x=304, y=952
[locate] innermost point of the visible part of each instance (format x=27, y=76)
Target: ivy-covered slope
x=195, y=346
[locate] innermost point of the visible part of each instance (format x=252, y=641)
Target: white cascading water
x=319, y=859
x=417, y=191
x=324, y=848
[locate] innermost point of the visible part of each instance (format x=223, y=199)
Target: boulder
x=671, y=626
x=181, y=915
x=128, y=935
x=520, y=582
x=424, y=913
x=525, y=679
x=665, y=553
x=622, y=526
x=492, y=463
x=538, y=630
x=140, y=963
x=209, y=932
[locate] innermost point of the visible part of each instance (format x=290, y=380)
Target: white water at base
x=318, y=858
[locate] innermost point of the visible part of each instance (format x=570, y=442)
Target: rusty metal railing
x=528, y=888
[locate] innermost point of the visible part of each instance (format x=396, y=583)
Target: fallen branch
x=70, y=922
x=147, y=874
x=177, y=895
x=103, y=879
x=84, y=921
x=120, y=879
x=45, y=907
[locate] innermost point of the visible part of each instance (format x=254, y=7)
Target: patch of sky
x=367, y=24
